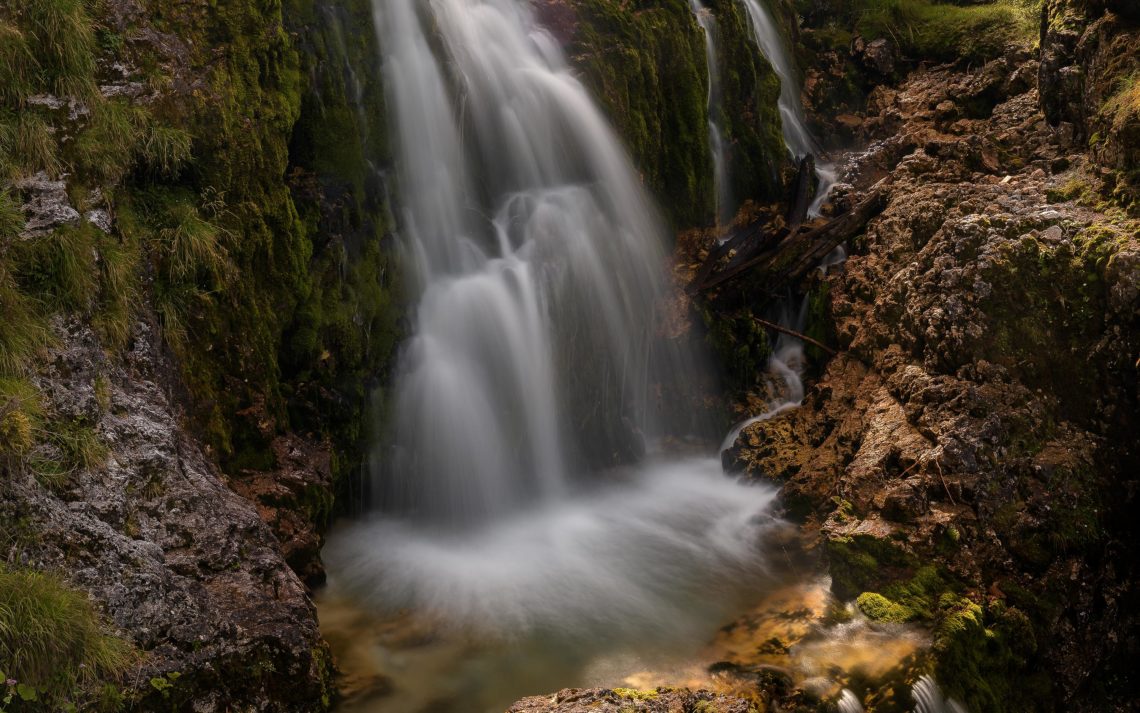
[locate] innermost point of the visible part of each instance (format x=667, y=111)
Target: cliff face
x=201, y=301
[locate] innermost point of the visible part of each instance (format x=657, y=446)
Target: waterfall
x=797, y=136
x=724, y=207
x=538, y=255
x=539, y=274
x=849, y=702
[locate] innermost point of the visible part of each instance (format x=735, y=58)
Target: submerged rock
x=627, y=700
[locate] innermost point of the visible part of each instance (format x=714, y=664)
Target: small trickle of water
x=785, y=370
x=715, y=103
x=849, y=702
x=797, y=135
x=928, y=698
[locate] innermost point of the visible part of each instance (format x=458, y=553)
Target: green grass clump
x=1124, y=106
x=63, y=39
x=18, y=66
x=194, y=242
x=52, y=641
x=164, y=149
x=636, y=694
x=928, y=29
x=20, y=413
x=59, y=268
x=27, y=145
x=122, y=137
x=11, y=218
x=105, y=150
x=22, y=331
x=119, y=261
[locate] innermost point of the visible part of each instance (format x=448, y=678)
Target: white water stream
x=725, y=209
x=797, y=135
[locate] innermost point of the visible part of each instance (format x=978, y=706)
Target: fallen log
x=746, y=240
x=799, y=252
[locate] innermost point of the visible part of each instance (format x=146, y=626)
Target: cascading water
x=540, y=263
x=540, y=274
x=785, y=372
x=495, y=545
x=723, y=188
x=797, y=136
x=928, y=698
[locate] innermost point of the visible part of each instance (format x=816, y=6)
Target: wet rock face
x=979, y=417
x=182, y=565
x=624, y=700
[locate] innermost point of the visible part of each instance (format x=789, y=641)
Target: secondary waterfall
x=797, y=136
x=721, y=182
x=540, y=273
x=785, y=371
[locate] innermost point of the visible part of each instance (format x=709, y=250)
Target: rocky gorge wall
x=202, y=302
x=965, y=461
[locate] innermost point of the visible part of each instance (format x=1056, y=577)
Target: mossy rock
x=646, y=65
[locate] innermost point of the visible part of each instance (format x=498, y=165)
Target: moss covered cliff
x=645, y=62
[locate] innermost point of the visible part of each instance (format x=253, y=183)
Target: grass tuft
x=11, y=218
x=1124, y=106
x=59, y=268
x=118, y=297
x=106, y=149
x=193, y=242
x=18, y=66
x=22, y=332
x=64, y=43
x=27, y=146
x=934, y=30
x=52, y=640
x=165, y=149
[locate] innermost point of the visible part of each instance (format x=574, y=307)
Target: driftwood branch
x=793, y=333
x=793, y=254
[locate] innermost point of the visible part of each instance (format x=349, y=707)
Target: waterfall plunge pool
x=639, y=582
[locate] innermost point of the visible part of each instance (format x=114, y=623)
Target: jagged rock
x=880, y=56
x=979, y=414
x=46, y=205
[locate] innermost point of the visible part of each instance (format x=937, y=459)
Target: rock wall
x=645, y=62
x=966, y=457
x=1090, y=78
